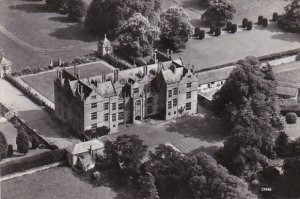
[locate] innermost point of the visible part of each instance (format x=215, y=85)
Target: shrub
x=228, y=26
x=197, y=31
x=202, y=34
x=3, y=146
x=34, y=143
x=265, y=22
x=218, y=31
x=10, y=150
x=260, y=20
x=212, y=29
x=22, y=141
x=53, y=147
x=249, y=25
x=245, y=22
x=275, y=17
x=233, y=28
x=291, y=118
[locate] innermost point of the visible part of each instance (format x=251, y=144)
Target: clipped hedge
x=228, y=26
x=291, y=118
x=116, y=62
x=275, y=17
x=212, y=29
x=233, y=28
x=218, y=31
x=265, y=22
x=260, y=20
x=245, y=22
x=197, y=31
x=249, y=25
x=201, y=34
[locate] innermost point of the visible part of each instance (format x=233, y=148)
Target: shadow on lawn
x=32, y=8
x=74, y=32
x=63, y=19
x=206, y=128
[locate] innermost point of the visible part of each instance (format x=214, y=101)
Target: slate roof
x=84, y=147
x=287, y=91
x=214, y=75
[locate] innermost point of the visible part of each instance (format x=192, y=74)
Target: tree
x=22, y=141
x=290, y=20
x=125, y=154
x=219, y=13
x=60, y=6
x=147, y=187
x=281, y=144
x=175, y=27
x=3, y=146
x=107, y=16
x=137, y=36
x=76, y=9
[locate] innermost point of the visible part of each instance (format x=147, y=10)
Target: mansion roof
x=84, y=147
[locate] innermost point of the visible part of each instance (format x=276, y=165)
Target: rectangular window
x=174, y=102
x=188, y=106
x=121, y=116
x=149, y=100
x=106, y=117
x=169, y=104
x=94, y=105
x=149, y=109
x=169, y=93
x=114, y=106
x=121, y=106
x=138, y=102
x=135, y=90
x=94, y=97
x=94, y=116
x=175, y=91
x=114, y=117
x=188, y=95
x=189, y=85
x=106, y=104
x=94, y=126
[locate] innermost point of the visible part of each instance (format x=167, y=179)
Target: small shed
x=82, y=154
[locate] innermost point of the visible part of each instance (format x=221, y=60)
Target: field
x=43, y=82
x=55, y=183
x=31, y=35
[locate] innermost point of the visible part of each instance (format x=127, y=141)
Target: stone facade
x=104, y=47
x=166, y=89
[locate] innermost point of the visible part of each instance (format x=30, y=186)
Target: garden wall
x=29, y=162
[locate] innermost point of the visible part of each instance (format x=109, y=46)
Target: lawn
x=289, y=77
x=228, y=48
x=55, y=183
x=32, y=35
x=43, y=82
x=186, y=134
x=293, y=130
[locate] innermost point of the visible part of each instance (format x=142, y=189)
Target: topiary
x=275, y=16
x=260, y=20
x=265, y=22
x=10, y=150
x=249, y=25
x=245, y=22
x=202, y=34
x=291, y=118
x=218, y=31
x=228, y=26
x=233, y=28
x=212, y=29
x=197, y=31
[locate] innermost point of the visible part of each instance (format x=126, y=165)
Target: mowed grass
x=228, y=47
x=54, y=183
x=43, y=82
x=36, y=26
x=289, y=77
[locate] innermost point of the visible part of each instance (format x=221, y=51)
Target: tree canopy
x=107, y=16
x=219, y=12
x=291, y=19
x=175, y=27
x=137, y=36
x=248, y=104
x=3, y=146
x=125, y=154
x=22, y=141
x=76, y=9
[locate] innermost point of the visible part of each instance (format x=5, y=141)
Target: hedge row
x=116, y=62
x=29, y=162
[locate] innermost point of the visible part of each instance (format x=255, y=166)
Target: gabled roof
x=214, y=75
x=172, y=77
x=287, y=91
x=4, y=62
x=84, y=147
x=105, y=89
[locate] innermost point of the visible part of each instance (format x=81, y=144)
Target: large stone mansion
x=167, y=89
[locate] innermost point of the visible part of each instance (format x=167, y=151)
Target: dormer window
x=135, y=90
x=189, y=85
